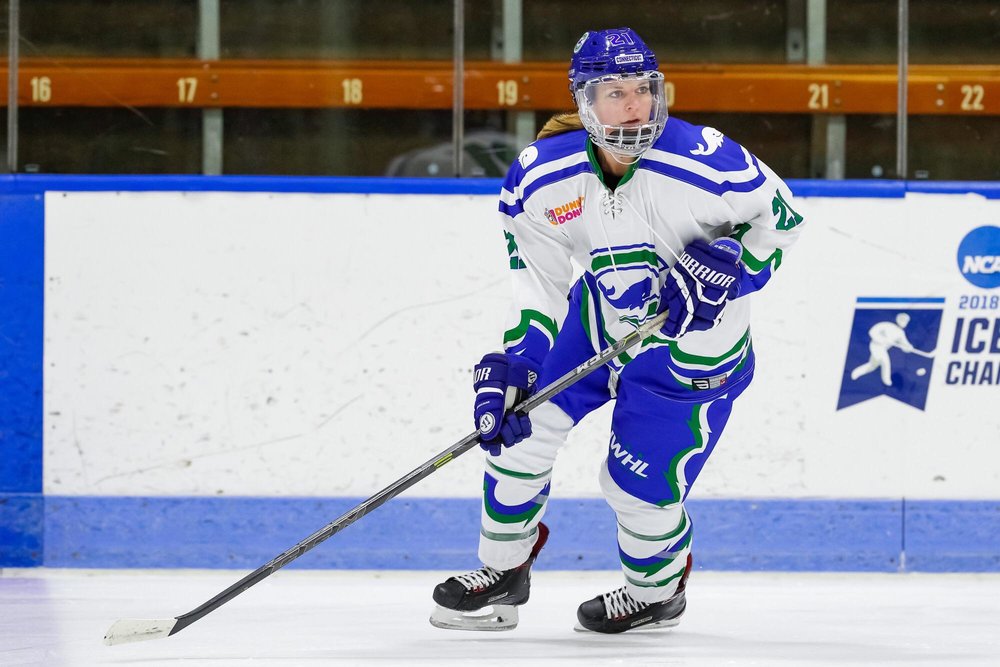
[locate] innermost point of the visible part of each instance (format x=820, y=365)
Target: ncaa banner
x=975, y=341
x=979, y=258
x=891, y=350
x=878, y=354
x=893, y=342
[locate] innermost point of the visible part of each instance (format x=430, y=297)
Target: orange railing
x=844, y=89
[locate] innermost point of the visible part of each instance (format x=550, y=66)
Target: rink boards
x=200, y=372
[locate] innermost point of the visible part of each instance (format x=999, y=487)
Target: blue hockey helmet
x=611, y=58
x=616, y=51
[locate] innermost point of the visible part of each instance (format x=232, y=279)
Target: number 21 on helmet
x=618, y=91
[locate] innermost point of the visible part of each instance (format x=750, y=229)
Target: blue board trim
x=988, y=189
x=28, y=183
x=899, y=299
x=22, y=290
x=847, y=188
x=941, y=539
x=37, y=183
x=22, y=529
x=442, y=533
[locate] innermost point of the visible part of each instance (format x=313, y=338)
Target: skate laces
x=619, y=603
x=481, y=578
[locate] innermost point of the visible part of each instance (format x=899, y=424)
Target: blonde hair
x=559, y=123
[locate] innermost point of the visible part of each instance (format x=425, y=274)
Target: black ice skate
x=485, y=599
x=618, y=611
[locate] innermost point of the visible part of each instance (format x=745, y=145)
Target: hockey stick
x=128, y=630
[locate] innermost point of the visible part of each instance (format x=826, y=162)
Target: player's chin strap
x=614, y=156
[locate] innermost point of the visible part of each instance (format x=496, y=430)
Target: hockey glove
x=699, y=285
x=502, y=381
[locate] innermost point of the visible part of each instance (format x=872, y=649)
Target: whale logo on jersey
x=627, y=278
x=631, y=298
x=527, y=156
x=563, y=214
x=713, y=140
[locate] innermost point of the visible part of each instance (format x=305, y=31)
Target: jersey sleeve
x=541, y=272
x=767, y=223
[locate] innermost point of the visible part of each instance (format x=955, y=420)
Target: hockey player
x=659, y=215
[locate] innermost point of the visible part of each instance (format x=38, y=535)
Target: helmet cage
x=625, y=140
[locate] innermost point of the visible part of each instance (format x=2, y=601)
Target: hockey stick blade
x=128, y=630
x=137, y=630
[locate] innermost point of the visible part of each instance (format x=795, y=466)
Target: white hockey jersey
x=693, y=183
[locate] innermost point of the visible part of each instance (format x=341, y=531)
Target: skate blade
x=488, y=619
x=665, y=624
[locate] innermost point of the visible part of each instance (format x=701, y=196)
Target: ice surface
x=299, y=617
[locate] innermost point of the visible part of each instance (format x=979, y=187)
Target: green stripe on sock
x=652, y=584
x=681, y=527
x=518, y=475
x=507, y=537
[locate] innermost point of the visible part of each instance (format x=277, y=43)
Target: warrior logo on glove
x=502, y=381
x=486, y=422
x=705, y=273
x=699, y=285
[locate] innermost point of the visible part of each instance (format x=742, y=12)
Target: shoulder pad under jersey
x=704, y=144
x=703, y=157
